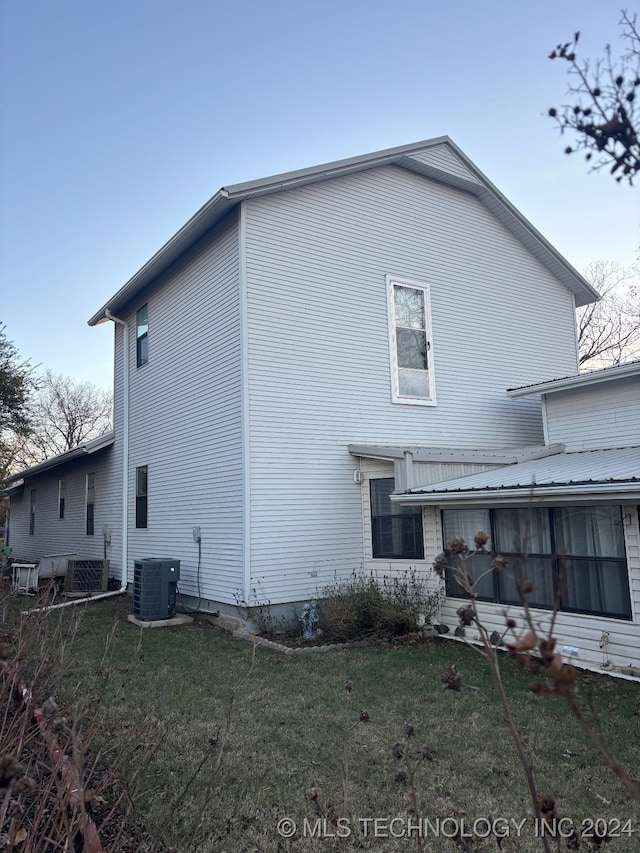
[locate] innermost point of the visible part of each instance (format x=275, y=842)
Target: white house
x=275, y=360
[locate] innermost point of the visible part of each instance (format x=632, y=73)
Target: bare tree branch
x=609, y=330
x=604, y=110
x=63, y=413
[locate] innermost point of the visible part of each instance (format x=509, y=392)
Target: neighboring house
x=277, y=357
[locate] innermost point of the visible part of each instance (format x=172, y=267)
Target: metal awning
x=588, y=476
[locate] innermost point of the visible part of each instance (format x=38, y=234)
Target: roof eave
x=86, y=449
x=201, y=222
x=607, y=374
x=228, y=197
x=589, y=493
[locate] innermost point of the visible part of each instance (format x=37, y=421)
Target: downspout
x=125, y=448
x=125, y=485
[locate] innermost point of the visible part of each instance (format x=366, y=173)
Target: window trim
x=142, y=499
x=396, y=397
x=144, y=336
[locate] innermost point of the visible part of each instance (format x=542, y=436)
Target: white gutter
x=125, y=488
x=125, y=449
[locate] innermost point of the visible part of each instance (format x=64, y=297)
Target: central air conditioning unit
x=154, y=588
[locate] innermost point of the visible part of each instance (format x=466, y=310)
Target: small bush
x=366, y=606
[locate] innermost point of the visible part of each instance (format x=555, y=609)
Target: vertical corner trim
x=244, y=408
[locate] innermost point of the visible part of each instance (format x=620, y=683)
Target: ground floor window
x=61, y=497
x=574, y=553
x=396, y=530
x=32, y=512
x=90, y=504
x=141, y=496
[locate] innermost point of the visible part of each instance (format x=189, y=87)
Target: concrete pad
x=178, y=619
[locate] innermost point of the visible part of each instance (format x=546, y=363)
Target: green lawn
x=158, y=702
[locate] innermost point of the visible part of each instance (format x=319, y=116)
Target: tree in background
x=604, y=111
x=16, y=386
x=63, y=413
x=609, y=330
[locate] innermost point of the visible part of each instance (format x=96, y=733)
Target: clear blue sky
x=120, y=118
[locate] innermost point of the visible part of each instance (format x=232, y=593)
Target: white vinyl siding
x=185, y=416
x=605, y=414
x=441, y=157
x=318, y=349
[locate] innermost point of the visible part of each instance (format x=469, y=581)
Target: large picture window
x=410, y=342
x=396, y=530
x=574, y=553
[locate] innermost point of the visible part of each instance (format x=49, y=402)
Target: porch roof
x=578, y=380
x=420, y=453
x=588, y=476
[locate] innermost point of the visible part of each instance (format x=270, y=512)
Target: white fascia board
x=607, y=374
x=589, y=493
x=456, y=455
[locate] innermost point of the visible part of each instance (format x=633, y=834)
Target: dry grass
x=158, y=702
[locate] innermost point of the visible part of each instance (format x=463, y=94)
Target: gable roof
x=438, y=159
x=586, y=476
x=579, y=380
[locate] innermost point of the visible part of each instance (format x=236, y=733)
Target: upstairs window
x=90, y=503
x=142, y=336
x=410, y=343
x=396, y=530
x=142, y=489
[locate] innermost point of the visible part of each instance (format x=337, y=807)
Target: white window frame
x=396, y=397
